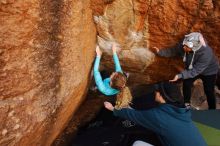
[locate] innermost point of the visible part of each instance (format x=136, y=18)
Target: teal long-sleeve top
x=104, y=85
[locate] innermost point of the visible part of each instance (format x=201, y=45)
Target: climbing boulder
x=46, y=54
x=139, y=25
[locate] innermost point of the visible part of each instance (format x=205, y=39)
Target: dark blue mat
x=207, y=117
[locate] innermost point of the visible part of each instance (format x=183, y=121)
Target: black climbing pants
x=209, y=88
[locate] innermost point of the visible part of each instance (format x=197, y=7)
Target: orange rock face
x=46, y=54
x=138, y=25
x=47, y=50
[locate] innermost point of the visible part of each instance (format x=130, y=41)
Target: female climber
x=116, y=83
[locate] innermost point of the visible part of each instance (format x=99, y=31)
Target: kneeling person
x=171, y=121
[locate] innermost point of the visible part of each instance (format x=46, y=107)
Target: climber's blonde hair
x=124, y=98
x=118, y=80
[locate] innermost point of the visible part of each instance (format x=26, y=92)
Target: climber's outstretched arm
x=116, y=60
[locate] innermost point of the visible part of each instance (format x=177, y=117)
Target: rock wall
x=138, y=25
x=47, y=50
x=46, y=54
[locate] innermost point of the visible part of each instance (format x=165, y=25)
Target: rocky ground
x=87, y=111
x=199, y=99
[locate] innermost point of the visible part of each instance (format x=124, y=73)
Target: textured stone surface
x=138, y=25
x=47, y=49
x=46, y=53
x=199, y=99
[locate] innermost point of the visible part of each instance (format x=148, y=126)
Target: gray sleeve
x=172, y=52
x=180, y=76
x=198, y=67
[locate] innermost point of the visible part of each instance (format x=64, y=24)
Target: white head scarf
x=194, y=41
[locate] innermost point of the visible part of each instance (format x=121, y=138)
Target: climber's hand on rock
x=174, y=79
x=108, y=106
x=155, y=50
x=98, y=51
x=114, y=48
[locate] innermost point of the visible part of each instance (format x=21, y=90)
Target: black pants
x=209, y=88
